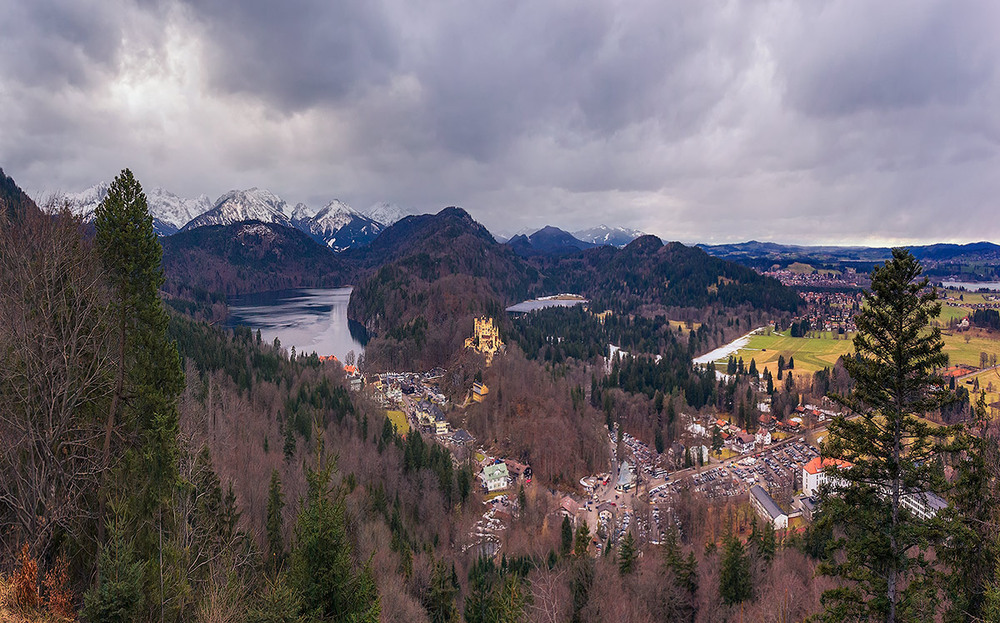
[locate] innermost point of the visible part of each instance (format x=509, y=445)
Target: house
x=569, y=507
x=743, y=442
x=356, y=382
x=495, y=477
x=432, y=418
x=478, y=391
x=462, y=437
x=813, y=475
x=762, y=438
x=809, y=505
x=767, y=508
x=766, y=421
x=515, y=469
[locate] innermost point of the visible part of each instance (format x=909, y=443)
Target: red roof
x=816, y=465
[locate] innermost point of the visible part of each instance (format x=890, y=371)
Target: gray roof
x=932, y=500
x=766, y=501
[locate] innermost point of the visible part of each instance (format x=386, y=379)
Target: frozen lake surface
x=311, y=320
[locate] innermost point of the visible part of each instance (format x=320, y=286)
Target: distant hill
x=648, y=272
x=430, y=274
x=249, y=257
x=547, y=241
x=976, y=261
x=775, y=251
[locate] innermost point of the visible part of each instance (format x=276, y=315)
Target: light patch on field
x=398, y=419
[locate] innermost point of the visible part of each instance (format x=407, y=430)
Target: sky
x=845, y=122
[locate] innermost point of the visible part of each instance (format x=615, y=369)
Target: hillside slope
x=249, y=257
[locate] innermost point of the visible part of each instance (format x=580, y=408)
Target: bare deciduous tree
x=53, y=372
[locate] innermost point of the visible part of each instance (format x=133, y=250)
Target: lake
x=311, y=320
x=972, y=286
x=559, y=300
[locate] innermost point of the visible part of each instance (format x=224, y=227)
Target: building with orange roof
x=814, y=474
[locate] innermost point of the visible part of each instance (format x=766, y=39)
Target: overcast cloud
x=836, y=122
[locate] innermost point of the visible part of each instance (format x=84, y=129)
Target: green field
x=398, y=419
x=961, y=352
x=948, y=313
x=813, y=354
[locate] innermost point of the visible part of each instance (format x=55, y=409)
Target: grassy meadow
x=815, y=353
x=398, y=419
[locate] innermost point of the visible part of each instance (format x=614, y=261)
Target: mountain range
x=336, y=225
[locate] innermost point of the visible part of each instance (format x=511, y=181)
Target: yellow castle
x=485, y=338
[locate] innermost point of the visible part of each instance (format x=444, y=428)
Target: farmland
x=811, y=353
x=815, y=353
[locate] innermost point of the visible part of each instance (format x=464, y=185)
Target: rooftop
x=817, y=464
x=765, y=500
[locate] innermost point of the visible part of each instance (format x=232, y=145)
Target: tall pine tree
x=142, y=412
x=892, y=450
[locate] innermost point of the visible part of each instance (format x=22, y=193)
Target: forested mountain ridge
x=648, y=272
x=249, y=257
x=434, y=273
x=13, y=200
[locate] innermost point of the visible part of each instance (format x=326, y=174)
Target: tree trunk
x=112, y=411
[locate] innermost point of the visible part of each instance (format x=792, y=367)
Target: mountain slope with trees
x=249, y=257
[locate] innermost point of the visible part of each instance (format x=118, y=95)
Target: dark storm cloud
x=832, y=121
x=296, y=54
x=850, y=58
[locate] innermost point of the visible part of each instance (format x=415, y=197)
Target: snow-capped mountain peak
x=235, y=206
x=338, y=225
x=302, y=212
x=386, y=213
x=169, y=211
x=604, y=235
x=174, y=210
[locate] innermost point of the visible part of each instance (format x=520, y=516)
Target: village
x=777, y=469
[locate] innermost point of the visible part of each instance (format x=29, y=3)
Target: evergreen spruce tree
x=275, y=540
x=141, y=424
x=971, y=551
x=440, y=598
x=627, y=555
x=118, y=597
x=735, y=583
x=566, y=546
x=891, y=449
x=683, y=574
x=582, y=540
x=320, y=567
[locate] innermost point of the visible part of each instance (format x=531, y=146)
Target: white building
x=923, y=505
x=495, y=477
x=763, y=437
x=767, y=508
x=813, y=475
